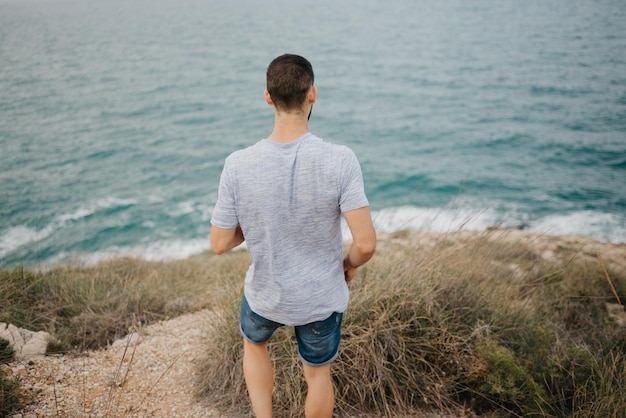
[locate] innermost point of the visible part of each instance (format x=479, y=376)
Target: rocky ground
x=150, y=373
x=154, y=371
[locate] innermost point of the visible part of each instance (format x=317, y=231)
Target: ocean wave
x=18, y=236
x=599, y=225
x=603, y=226
x=432, y=219
x=164, y=250
x=183, y=208
x=94, y=207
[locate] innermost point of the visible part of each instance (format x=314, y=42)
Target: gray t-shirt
x=288, y=199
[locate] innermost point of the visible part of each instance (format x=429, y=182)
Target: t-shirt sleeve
x=352, y=189
x=225, y=213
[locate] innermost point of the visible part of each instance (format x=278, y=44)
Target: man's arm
x=223, y=240
x=363, y=240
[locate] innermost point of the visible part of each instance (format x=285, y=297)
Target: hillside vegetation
x=499, y=323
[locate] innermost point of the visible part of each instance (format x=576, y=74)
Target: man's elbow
x=218, y=251
x=367, y=247
x=217, y=248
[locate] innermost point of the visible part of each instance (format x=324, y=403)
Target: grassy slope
x=501, y=322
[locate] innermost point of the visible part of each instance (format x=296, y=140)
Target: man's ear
x=312, y=94
x=268, y=98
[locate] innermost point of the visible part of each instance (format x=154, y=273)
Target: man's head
x=289, y=80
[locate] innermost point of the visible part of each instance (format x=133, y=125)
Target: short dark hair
x=289, y=78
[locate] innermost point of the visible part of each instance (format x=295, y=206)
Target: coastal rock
x=25, y=343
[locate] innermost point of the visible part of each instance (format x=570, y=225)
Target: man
x=285, y=195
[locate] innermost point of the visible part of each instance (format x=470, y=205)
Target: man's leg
x=320, y=398
x=257, y=370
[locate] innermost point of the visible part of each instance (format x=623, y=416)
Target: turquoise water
x=115, y=116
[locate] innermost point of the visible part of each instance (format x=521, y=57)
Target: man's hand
x=349, y=270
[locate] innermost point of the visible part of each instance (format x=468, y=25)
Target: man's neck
x=288, y=127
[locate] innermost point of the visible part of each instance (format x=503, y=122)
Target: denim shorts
x=318, y=342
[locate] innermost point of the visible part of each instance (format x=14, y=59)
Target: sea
x=116, y=116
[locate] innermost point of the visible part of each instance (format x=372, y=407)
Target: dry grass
x=481, y=323
x=87, y=308
x=602, y=395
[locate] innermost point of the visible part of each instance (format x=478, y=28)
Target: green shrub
x=508, y=381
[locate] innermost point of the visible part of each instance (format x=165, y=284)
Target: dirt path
x=152, y=373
